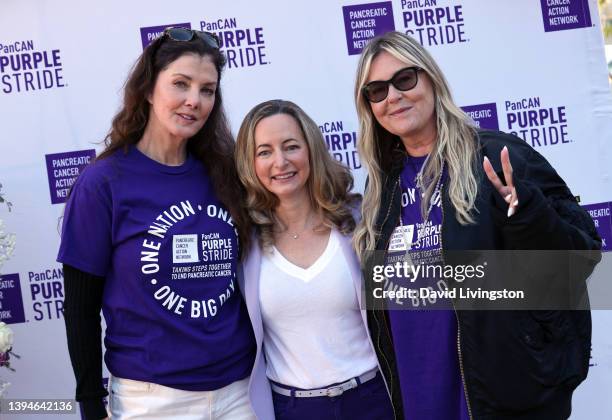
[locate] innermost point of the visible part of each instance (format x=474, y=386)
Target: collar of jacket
x=389, y=212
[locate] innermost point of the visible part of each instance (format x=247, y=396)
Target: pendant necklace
x=297, y=235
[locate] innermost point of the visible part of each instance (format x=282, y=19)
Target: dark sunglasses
x=403, y=79
x=185, y=34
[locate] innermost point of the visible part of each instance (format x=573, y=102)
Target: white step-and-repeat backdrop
x=532, y=67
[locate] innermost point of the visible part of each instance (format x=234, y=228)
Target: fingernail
x=508, y=198
x=515, y=203
x=510, y=211
x=486, y=159
x=505, y=148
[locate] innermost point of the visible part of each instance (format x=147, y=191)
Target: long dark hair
x=213, y=144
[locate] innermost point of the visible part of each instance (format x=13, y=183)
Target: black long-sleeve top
x=82, y=306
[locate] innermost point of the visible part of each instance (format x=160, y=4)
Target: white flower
x=3, y=386
x=6, y=338
x=7, y=244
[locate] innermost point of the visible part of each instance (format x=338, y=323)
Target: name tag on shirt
x=402, y=238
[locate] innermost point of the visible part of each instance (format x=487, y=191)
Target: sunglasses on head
x=186, y=34
x=404, y=79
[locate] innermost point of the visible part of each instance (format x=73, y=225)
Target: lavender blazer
x=248, y=278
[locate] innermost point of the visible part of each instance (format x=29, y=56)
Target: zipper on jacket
x=465, y=391
x=467, y=398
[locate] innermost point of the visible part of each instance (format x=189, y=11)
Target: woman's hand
x=508, y=192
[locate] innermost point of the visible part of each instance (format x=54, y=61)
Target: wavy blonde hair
x=329, y=183
x=455, y=144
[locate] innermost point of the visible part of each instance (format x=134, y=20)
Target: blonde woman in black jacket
x=437, y=184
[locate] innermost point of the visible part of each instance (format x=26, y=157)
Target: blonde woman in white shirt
x=301, y=278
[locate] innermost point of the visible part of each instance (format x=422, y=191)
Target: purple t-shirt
x=168, y=250
x=425, y=341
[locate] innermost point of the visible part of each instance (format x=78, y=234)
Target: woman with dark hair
x=437, y=185
x=152, y=233
x=301, y=280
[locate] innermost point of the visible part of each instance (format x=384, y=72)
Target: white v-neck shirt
x=314, y=334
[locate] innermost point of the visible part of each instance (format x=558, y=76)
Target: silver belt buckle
x=334, y=391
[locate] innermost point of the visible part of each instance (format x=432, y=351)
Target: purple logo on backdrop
x=47, y=292
x=363, y=22
x=243, y=47
x=23, y=68
x=433, y=24
x=602, y=217
x=11, y=304
x=537, y=124
x=151, y=33
x=560, y=15
x=484, y=115
x=341, y=144
x=63, y=169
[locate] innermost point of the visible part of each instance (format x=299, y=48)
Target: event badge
x=401, y=239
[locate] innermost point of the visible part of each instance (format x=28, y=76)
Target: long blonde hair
x=329, y=183
x=455, y=145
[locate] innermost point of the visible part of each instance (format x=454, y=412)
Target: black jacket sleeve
x=548, y=215
x=82, y=306
x=548, y=218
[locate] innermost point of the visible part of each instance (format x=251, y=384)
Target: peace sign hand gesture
x=508, y=192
